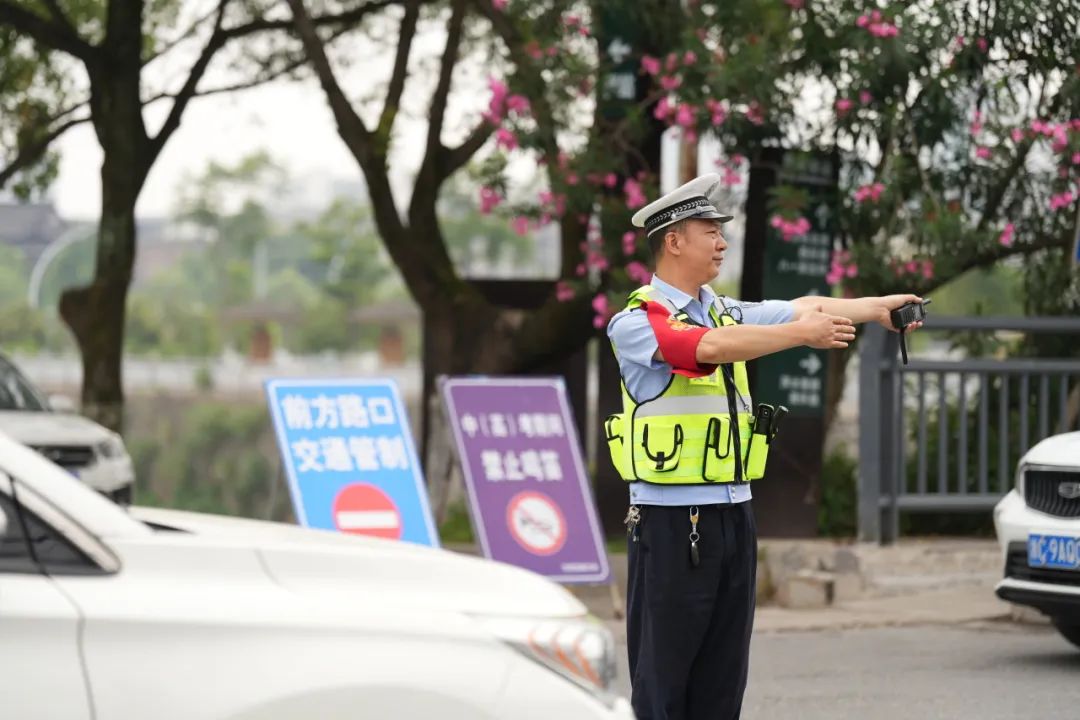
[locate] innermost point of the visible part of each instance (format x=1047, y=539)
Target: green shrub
x=838, y=511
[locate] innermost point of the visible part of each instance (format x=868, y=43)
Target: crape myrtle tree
x=555, y=92
x=67, y=62
x=957, y=124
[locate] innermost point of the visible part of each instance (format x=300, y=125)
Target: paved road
x=989, y=671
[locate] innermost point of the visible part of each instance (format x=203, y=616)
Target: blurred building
x=30, y=227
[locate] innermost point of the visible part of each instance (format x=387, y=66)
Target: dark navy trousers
x=688, y=628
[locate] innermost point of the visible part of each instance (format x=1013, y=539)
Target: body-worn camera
x=905, y=315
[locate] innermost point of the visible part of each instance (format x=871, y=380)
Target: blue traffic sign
x=350, y=459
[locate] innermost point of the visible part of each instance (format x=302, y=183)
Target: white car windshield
x=16, y=392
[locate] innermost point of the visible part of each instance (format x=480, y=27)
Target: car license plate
x=1054, y=551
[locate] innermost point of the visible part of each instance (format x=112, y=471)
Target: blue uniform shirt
x=646, y=377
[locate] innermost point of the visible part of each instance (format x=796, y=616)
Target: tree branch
x=29, y=155
x=397, y=78
x=541, y=109
x=189, y=32
x=442, y=88
x=355, y=135
x=991, y=256
x=346, y=18
x=172, y=122
x=453, y=159
x=56, y=34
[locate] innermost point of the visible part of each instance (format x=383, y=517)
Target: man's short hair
x=656, y=239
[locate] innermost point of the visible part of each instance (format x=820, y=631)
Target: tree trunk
x=474, y=336
x=96, y=313
x=836, y=379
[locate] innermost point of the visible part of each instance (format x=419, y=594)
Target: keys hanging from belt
x=633, y=519
x=695, y=557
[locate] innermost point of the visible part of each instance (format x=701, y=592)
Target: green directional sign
x=796, y=267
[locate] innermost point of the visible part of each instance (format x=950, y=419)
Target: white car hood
x=317, y=562
x=51, y=428
x=1060, y=450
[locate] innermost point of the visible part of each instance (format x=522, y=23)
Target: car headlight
x=580, y=649
x=111, y=448
x=1020, y=468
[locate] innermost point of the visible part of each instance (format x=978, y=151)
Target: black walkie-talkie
x=905, y=315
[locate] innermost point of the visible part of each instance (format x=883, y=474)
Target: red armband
x=678, y=341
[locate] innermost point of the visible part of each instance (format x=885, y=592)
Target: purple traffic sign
x=529, y=495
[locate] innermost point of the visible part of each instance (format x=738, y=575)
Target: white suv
x=1038, y=527
x=90, y=452
x=122, y=615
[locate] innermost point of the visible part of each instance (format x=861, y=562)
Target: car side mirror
x=62, y=404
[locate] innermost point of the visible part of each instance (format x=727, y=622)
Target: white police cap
x=695, y=199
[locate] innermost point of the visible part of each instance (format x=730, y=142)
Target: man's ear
x=671, y=242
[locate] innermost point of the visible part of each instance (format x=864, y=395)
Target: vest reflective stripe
x=684, y=436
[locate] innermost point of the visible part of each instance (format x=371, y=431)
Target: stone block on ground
x=805, y=589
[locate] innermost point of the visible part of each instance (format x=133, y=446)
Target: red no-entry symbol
x=363, y=509
x=536, y=522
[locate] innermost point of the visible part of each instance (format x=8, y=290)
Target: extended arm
x=860, y=310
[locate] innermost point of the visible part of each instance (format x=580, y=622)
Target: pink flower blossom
x=521, y=225
x=563, y=292
x=635, y=198
x=869, y=192
x=689, y=57
x=671, y=62
x=928, y=269
x=505, y=138
x=650, y=65
x=499, y=4
x=580, y=269
x=883, y=30
x=976, y=123
x=717, y=111
x=865, y=97
x=981, y=42
x=851, y=271
x=1017, y=135
x=611, y=180
x=843, y=105
x=663, y=109
x=1057, y=202
x=629, y=242
x=518, y=104
x=572, y=179
x=1006, y=237
x=1076, y=158
x=495, y=111
x=684, y=116
x=911, y=266
x=637, y=272
x=754, y=114
x=789, y=230
x=489, y=200
x=596, y=261
x=600, y=307
x=863, y=21
x=670, y=82
x=795, y=4
x=983, y=153
x=534, y=50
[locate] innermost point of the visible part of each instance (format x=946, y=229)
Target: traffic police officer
x=688, y=444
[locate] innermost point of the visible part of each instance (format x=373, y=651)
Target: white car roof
x=86, y=507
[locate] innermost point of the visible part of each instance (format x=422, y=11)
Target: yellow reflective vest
x=684, y=435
